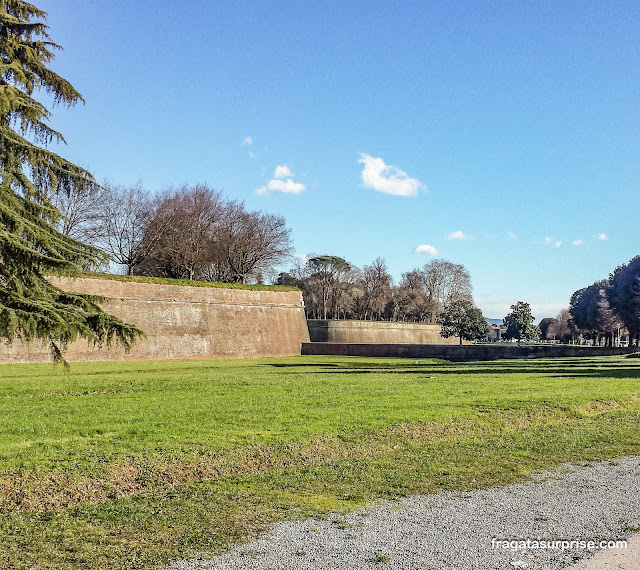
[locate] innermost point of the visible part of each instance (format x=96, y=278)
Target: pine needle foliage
x=30, y=246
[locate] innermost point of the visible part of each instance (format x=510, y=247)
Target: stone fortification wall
x=185, y=322
x=479, y=352
x=376, y=332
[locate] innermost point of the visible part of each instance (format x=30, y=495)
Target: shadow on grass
x=562, y=368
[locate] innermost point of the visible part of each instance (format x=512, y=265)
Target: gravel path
x=454, y=531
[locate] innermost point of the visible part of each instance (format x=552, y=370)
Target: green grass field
x=131, y=464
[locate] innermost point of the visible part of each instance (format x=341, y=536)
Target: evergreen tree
x=624, y=297
x=462, y=319
x=592, y=314
x=519, y=323
x=30, y=246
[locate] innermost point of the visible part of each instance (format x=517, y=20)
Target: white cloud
x=458, y=235
x=247, y=140
x=426, y=248
x=602, y=237
x=382, y=177
x=577, y=242
x=278, y=184
x=512, y=235
x=284, y=186
x=282, y=172
x=548, y=239
x=251, y=155
x=557, y=244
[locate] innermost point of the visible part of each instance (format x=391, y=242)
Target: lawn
x=131, y=464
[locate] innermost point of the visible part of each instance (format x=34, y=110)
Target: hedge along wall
x=185, y=322
x=493, y=351
x=376, y=332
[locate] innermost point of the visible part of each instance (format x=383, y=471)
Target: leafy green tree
x=519, y=323
x=460, y=318
x=31, y=248
x=544, y=326
x=591, y=312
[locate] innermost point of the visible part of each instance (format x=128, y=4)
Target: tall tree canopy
x=519, y=323
x=329, y=271
x=592, y=313
x=31, y=248
x=463, y=320
x=624, y=296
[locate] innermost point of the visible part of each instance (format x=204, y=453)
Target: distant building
x=495, y=333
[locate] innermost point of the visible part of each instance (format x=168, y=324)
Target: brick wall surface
x=376, y=332
x=185, y=322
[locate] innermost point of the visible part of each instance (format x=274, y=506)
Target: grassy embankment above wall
x=130, y=464
x=183, y=282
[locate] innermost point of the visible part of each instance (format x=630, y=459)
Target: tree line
x=603, y=310
x=336, y=289
x=189, y=232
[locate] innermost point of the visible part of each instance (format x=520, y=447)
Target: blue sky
x=376, y=128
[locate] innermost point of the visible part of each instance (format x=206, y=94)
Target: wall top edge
x=112, y=289
x=380, y=324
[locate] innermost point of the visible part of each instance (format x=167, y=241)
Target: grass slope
x=183, y=282
x=129, y=464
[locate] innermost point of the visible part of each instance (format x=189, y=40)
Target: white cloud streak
x=577, y=242
x=602, y=237
x=426, y=248
x=247, y=140
x=379, y=176
x=458, y=235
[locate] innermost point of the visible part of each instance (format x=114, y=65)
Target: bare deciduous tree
x=251, y=242
x=562, y=329
x=197, y=234
x=182, y=231
x=333, y=288
x=376, y=287
x=120, y=224
x=78, y=210
x=418, y=306
x=444, y=282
